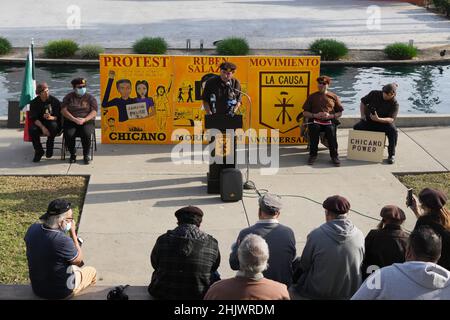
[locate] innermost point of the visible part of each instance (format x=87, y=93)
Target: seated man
x=323, y=108
x=55, y=260
x=185, y=260
x=280, y=239
x=329, y=267
x=249, y=283
x=419, y=278
x=378, y=113
x=45, y=112
x=79, y=109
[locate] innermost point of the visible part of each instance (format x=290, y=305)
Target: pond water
x=422, y=89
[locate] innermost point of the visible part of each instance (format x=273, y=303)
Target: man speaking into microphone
x=222, y=93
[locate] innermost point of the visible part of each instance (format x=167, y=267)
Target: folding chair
x=78, y=145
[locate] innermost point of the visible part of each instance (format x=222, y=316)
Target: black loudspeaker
x=230, y=184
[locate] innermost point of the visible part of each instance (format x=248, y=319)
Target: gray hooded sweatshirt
x=412, y=280
x=331, y=261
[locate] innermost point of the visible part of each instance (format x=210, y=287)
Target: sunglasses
x=321, y=82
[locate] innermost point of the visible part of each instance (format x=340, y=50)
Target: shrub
x=232, y=47
x=5, y=46
x=90, y=51
x=400, y=51
x=150, y=45
x=329, y=49
x=443, y=6
x=60, y=48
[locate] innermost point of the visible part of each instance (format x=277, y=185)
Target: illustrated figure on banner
x=124, y=88
x=142, y=89
x=163, y=110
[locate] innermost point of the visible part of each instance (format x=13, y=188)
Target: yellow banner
x=145, y=98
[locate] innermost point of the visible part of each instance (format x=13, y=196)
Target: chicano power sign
x=144, y=98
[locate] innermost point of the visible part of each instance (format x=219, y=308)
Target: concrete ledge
x=24, y=292
x=406, y=121
x=379, y=63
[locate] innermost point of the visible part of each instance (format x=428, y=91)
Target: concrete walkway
x=134, y=191
x=266, y=24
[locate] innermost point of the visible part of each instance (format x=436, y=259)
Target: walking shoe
x=311, y=159
x=86, y=160
x=49, y=153
x=391, y=160
x=336, y=161
x=38, y=155
x=73, y=158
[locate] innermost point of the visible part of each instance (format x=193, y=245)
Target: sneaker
x=391, y=160
x=38, y=155
x=336, y=161
x=86, y=160
x=49, y=153
x=73, y=158
x=311, y=159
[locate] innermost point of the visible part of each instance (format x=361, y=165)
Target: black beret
x=78, y=81
x=336, y=204
x=228, y=66
x=393, y=213
x=433, y=198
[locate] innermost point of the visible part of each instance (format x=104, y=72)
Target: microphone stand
x=248, y=185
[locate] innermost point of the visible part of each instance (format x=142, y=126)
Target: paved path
x=134, y=191
x=271, y=24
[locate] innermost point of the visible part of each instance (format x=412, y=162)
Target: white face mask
x=68, y=227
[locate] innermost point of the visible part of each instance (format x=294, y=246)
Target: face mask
x=80, y=91
x=68, y=227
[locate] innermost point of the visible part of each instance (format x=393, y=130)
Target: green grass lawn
x=431, y=180
x=23, y=199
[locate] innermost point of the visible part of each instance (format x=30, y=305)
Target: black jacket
x=384, y=247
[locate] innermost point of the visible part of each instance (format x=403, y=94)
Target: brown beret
x=189, y=214
x=336, y=204
x=433, y=198
x=393, y=213
x=325, y=79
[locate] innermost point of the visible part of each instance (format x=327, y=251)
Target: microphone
x=248, y=184
x=212, y=101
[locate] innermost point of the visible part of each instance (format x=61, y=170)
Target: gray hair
x=253, y=253
x=54, y=221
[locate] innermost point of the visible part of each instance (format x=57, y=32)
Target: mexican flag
x=28, y=90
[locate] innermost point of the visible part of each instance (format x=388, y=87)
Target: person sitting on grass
x=55, y=261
